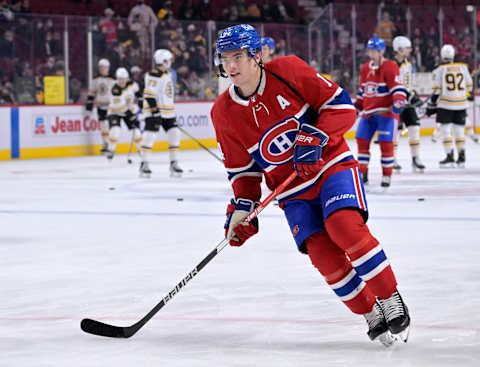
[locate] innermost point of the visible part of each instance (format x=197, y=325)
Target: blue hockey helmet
x=377, y=44
x=268, y=41
x=239, y=37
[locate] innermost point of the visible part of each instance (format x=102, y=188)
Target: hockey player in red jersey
x=284, y=117
x=381, y=98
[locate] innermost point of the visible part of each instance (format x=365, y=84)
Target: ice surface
x=72, y=247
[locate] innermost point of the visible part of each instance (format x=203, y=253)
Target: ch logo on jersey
x=370, y=89
x=276, y=145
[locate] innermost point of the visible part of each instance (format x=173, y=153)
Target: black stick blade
x=99, y=328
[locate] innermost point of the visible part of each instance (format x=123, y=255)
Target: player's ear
x=258, y=56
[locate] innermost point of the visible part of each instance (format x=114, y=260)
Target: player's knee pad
x=459, y=131
x=137, y=135
x=414, y=132
x=152, y=124
x=104, y=125
x=114, y=134
x=173, y=135
x=347, y=229
x=328, y=258
x=148, y=138
x=445, y=131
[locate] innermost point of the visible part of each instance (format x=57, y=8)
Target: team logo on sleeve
x=276, y=144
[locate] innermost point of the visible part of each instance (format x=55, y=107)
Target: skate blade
x=144, y=175
x=403, y=336
x=387, y=339
x=418, y=170
x=448, y=165
x=461, y=165
x=175, y=174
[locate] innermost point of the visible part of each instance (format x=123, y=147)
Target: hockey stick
x=99, y=328
x=199, y=143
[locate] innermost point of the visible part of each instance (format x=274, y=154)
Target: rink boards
x=28, y=132
x=60, y=131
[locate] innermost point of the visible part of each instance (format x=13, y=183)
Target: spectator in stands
x=7, y=95
x=108, y=27
x=282, y=12
x=451, y=38
x=430, y=56
x=142, y=21
x=253, y=13
x=266, y=11
x=7, y=46
x=48, y=68
x=386, y=30
x=6, y=14
x=166, y=12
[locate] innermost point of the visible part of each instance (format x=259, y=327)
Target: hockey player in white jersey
x=451, y=84
x=159, y=110
x=122, y=107
x=99, y=92
x=402, y=48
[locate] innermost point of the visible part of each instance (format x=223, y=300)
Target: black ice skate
x=396, y=315
x=175, y=170
x=104, y=149
x=365, y=178
x=448, y=161
x=377, y=326
x=145, y=170
x=417, y=165
x=109, y=154
x=386, y=181
x=461, y=159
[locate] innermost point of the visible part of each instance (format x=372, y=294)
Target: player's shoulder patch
x=116, y=90
x=156, y=73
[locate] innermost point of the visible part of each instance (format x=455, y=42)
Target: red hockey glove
x=236, y=230
x=307, y=153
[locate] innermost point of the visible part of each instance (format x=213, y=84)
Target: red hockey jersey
x=256, y=135
x=379, y=88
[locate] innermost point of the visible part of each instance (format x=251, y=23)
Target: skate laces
x=375, y=317
x=393, y=306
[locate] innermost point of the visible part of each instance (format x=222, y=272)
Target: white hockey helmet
x=121, y=73
x=104, y=62
x=401, y=42
x=447, y=52
x=161, y=56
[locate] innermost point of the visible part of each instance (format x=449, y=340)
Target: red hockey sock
x=388, y=157
x=363, y=154
x=348, y=231
x=333, y=264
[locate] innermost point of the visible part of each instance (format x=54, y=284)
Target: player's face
x=122, y=82
x=239, y=66
x=406, y=51
x=103, y=70
x=266, y=51
x=374, y=55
